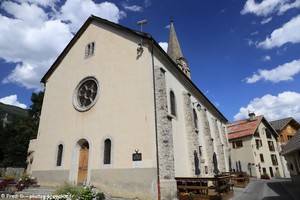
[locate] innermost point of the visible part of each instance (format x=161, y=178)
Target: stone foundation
x=132, y=183
x=51, y=177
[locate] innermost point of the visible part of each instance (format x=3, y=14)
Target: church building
x=123, y=115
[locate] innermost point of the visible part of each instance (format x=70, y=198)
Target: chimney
x=251, y=116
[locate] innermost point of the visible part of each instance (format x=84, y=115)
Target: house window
x=264, y=170
x=289, y=137
x=258, y=143
x=107, y=152
x=59, y=155
x=195, y=119
x=271, y=146
x=200, y=151
x=261, y=157
x=172, y=103
x=237, y=144
x=89, y=49
x=271, y=172
x=268, y=133
x=256, y=134
x=274, y=159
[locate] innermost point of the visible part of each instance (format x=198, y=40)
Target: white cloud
x=250, y=42
x=267, y=7
x=288, y=33
x=44, y=3
x=285, y=104
x=32, y=41
x=263, y=8
x=77, y=11
x=286, y=7
x=134, y=8
x=20, y=11
x=254, y=33
x=266, y=58
x=283, y=72
x=12, y=100
x=266, y=20
x=164, y=46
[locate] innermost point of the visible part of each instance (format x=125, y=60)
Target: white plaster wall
x=124, y=111
x=243, y=154
x=249, y=154
x=266, y=152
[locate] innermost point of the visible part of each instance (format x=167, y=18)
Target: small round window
x=86, y=94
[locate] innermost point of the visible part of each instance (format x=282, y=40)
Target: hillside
x=12, y=112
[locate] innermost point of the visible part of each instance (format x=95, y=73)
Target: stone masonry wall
x=226, y=148
x=219, y=151
x=192, y=136
x=168, y=188
x=208, y=148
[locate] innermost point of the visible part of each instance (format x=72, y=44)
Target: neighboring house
x=122, y=114
x=291, y=152
x=254, y=147
x=286, y=129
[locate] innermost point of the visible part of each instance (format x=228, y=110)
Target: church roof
x=247, y=127
x=144, y=35
x=174, y=50
x=278, y=125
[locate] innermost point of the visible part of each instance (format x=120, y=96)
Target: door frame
x=73, y=177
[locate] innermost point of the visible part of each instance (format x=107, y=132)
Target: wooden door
x=83, y=165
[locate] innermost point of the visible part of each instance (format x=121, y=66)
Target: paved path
x=264, y=190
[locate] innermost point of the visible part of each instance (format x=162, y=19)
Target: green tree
x=35, y=110
x=15, y=137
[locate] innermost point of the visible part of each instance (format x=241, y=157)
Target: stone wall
x=168, y=187
x=219, y=151
x=192, y=136
x=12, y=172
x=208, y=149
x=132, y=183
x=51, y=177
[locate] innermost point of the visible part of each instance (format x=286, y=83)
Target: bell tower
x=174, y=51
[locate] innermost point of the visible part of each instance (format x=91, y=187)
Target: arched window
x=195, y=119
x=172, y=103
x=89, y=49
x=59, y=155
x=107, y=152
x=92, y=48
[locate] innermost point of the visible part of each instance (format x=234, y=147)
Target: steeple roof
x=174, y=50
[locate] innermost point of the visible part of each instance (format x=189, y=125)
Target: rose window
x=86, y=94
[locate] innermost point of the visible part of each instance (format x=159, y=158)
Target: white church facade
x=123, y=115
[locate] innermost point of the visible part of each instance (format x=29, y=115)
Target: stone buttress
x=168, y=187
x=208, y=149
x=192, y=136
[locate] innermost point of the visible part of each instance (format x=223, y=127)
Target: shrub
x=25, y=181
x=80, y=193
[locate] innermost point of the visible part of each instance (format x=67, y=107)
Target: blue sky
x=243, y=54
